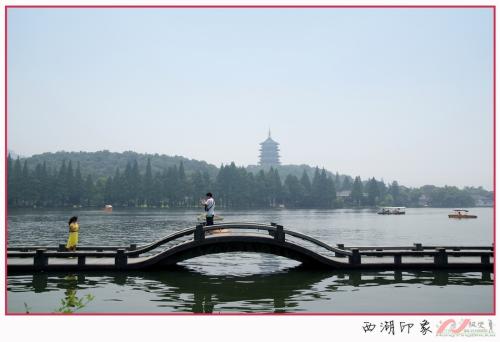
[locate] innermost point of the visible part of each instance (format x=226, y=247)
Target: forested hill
x=104, y=163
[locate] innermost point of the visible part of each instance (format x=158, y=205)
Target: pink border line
x=494, y=157
x=5, y=150
x=262, y=7
x=249, y=6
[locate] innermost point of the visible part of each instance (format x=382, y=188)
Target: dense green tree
x=77, y=189
x=170, y=196
x=394, y=191
x=330, y=193
x=158, y=197
x=10, y=171
x=357, y=192
x=293, y=192
x=198, y=187
x=337, y=182
x=306, y=185
x=373, y=192
x=323, y=191
x=109, y=196
x=37, y=186
x=61, y=188
x=273, y=187
x=15, y=192
x=69, y=183
x=317, y=186
x=182, y=186
x=260, y=190
x=382, y=189
x=147, y=192
x=88, y=193
x=346, y=184
x=133, y=185
x=450, y=196
x=134, y=181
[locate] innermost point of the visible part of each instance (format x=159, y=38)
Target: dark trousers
x=210, y=220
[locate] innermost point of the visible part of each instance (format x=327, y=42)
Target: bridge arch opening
x=238, y=264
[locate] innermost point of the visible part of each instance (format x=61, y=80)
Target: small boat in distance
x=460, y=214
x=108, y=207
x=392, y=211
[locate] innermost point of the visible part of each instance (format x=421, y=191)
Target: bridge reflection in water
x=198, y=293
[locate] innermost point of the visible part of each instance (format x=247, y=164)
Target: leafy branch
x=71, y=303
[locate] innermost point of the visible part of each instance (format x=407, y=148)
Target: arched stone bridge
x=248, y=237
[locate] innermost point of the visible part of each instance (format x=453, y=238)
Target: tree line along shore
x=85, y=179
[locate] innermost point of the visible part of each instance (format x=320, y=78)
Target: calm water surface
x=250, y=282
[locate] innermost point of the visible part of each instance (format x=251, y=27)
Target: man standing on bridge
x=210, y=209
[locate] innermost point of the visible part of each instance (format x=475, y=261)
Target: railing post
x=397, y=259
x=485, y=259
x=441, y=258
x=280, y=234
x=355, y=258
x=61, y=247
x=133, y=247
x=270, y=232
x=485, y=275
x=81, y=260
x=40, y=261
x=417, y=247
x=337, y=254
x=120, y=258
x=199, y=233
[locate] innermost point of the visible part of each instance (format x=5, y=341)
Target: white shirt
x=210, y=203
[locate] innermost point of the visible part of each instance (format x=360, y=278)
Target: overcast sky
x=398, y=94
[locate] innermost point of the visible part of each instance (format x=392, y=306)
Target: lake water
x=250, y=282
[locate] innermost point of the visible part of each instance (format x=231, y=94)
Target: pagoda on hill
x=269, y=152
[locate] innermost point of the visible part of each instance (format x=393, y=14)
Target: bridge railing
x=417, y=247
x=198, y=232
x=62, y=248
x=41, y=256
x=439, y=253
x=279, y=233
x=275, y=231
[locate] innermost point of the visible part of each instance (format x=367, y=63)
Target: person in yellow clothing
x=73, y=234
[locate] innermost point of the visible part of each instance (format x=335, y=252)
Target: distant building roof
x=344, y=193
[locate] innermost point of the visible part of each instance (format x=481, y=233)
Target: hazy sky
x=398, y=94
